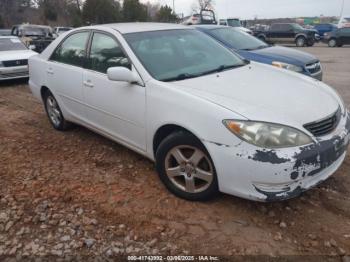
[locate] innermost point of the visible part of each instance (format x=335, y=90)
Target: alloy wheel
x=189, y=169
x=53, y=111
x=332, y=43
x=300, y=42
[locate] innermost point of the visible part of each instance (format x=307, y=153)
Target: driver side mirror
x=122, y=74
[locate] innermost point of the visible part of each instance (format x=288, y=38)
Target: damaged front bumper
x=273, y=175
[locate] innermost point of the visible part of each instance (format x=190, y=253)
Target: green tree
x=165, y=14
x=134, y=11
x=48, y=8
x=101, y=11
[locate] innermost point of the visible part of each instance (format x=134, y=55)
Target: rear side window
x=72, y=51
x=105, y=53
x=275, y=27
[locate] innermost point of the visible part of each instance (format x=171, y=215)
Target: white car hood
x=16, y=55
x=264, y=93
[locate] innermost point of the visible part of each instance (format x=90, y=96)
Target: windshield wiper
x=223, y=68
x=216, y=70
x=179, y=77
x=256, y=48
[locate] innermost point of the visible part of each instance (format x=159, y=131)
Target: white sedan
x=13, y=58
x=210, y=120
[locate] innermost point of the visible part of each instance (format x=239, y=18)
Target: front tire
x=54, y=113
x=332, y=43
x=185, y=167
x=300, y=41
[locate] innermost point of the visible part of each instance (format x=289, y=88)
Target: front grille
x=14, y=75
x=325, y=126
x=314, y=68
x=13, y=63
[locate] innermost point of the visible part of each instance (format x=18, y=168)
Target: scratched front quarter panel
x=272, y=175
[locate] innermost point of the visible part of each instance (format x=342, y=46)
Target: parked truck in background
x=288, y=33
x=235, y=22
x=205, y=17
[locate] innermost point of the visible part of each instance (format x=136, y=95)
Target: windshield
x=179, y=54
x=237, y=39
x=11, y=44
x=234, y=22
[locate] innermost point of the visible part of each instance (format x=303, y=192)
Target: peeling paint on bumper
x=273, y=175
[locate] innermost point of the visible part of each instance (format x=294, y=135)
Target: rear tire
x=185, y=167
x=300, y=41
x=332, y=43
x=54, y=112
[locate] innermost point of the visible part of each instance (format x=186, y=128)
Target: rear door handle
x=50, y=71
x=88, y=83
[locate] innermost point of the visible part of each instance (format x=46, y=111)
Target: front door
x=115, y=108
x=346, y=36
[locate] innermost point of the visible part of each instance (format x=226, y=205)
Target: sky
x=248, y=9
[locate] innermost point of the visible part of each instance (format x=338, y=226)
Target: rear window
x=11, y=44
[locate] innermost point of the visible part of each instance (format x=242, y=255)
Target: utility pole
x=342, y=9
x=174, y=6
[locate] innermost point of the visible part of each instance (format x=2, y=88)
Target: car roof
x=125, y=28
x=32, y=25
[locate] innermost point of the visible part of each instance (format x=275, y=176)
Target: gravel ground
x=77, y=193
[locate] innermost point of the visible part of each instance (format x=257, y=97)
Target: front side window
x=72, y=51
x=237, y=39
x=105, y=53
x=175, y=55
x=297, y=26
x=345, y=31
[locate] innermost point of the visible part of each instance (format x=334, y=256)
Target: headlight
x=294, y=68
x=1, y=64
x=267, y=135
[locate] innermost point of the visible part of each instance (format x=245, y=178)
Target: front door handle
x=88, y=83
x=50, y=71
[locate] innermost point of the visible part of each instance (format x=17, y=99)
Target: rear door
x=64, y=72
x=274, y=34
